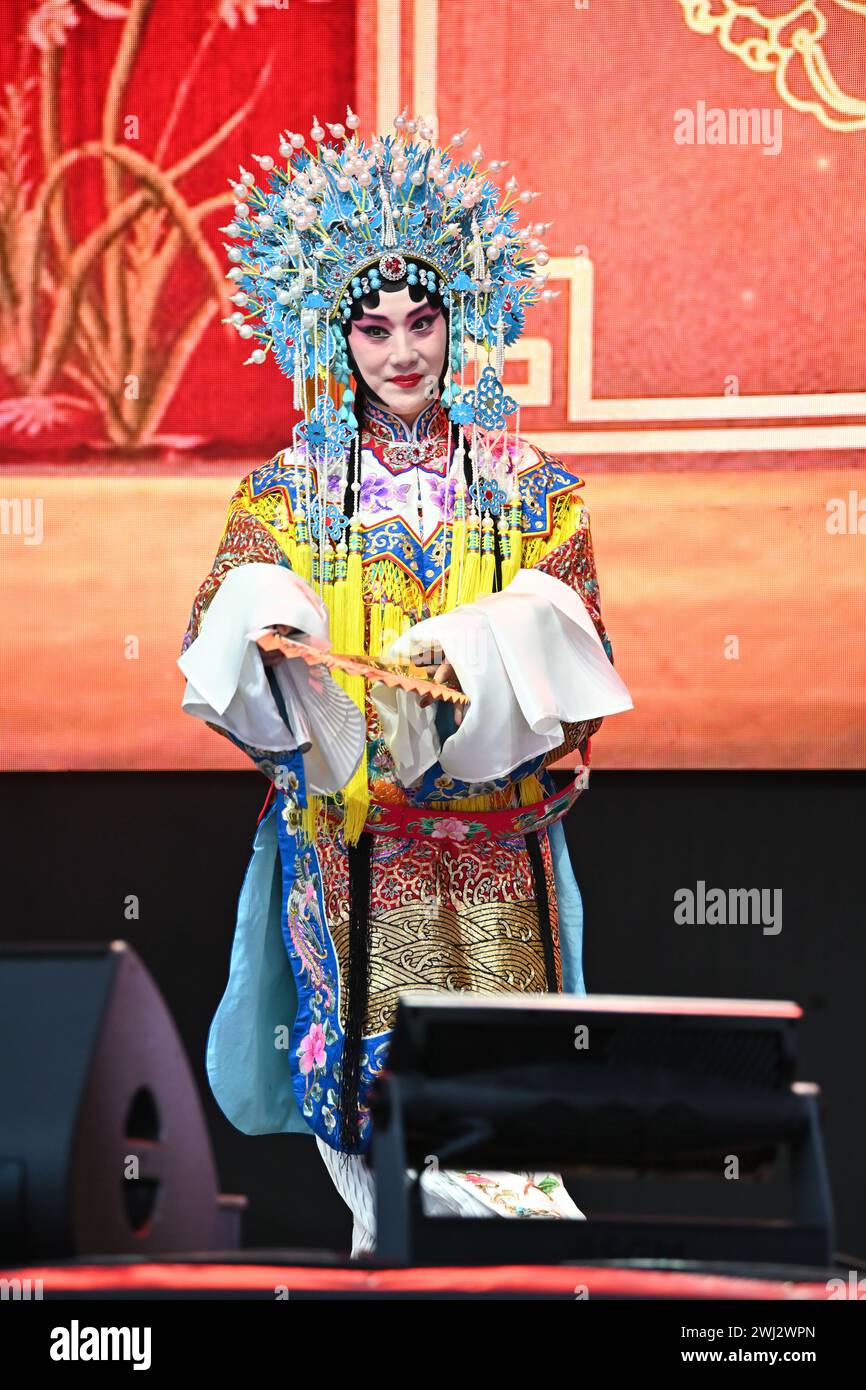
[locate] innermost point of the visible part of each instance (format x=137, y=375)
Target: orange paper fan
x=390, y=673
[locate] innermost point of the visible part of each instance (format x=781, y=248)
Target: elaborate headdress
x=334, y=224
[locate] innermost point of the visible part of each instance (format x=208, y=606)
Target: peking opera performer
x=407, y=842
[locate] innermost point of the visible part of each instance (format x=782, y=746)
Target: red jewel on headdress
x=393, y=267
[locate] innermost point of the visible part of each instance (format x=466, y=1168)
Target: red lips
x=406, y=380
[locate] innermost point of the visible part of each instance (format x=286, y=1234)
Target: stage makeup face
x=399, y=348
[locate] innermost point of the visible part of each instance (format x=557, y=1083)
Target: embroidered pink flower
x=312, y=1051
x=508, y=447
x=450, y=828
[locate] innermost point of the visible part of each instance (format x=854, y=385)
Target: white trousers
x=449, y=1192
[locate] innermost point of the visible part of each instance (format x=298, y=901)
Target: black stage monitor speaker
x=601, y=1084
x=104, y=1147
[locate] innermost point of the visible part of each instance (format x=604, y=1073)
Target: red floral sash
x=423, y=822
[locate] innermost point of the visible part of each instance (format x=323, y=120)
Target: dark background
x=77, y=844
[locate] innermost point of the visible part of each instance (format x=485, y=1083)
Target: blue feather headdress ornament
x=331, y=225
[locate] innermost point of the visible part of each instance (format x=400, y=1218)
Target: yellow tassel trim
x=471, y=576
x=531, y=790
x=328, y=563
x=567, y=515
x=354, y=624
x=394, y=623
x=375, y=647
x=346, y=607
x=339, y=613
x=488, y=557
x=303, y=549
x=513, y=515
x=493, y=801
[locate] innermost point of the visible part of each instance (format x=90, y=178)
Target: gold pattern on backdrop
x=792, y=44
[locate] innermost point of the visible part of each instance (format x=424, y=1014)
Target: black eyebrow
x=383, y=318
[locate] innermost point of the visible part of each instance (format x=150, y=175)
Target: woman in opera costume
x=406, y=842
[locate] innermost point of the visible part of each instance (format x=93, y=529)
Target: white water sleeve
x=529, y=658
x=227, y=683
